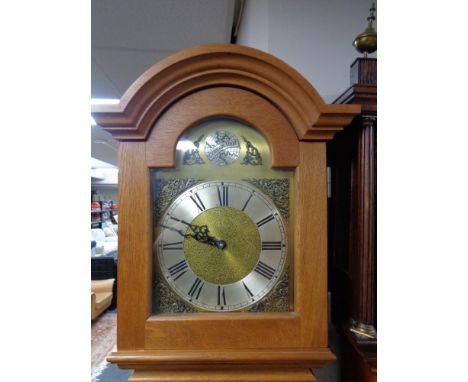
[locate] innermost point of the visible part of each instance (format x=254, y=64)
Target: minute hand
x=200, y=234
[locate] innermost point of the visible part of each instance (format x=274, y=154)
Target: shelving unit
x=97, y=217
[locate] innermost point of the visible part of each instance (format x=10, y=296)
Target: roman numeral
x=178, y=269
x=198, y=202
x=221, y=296
x=223, y=196
x=265, y=270
x=265, y=220
x=247, y=202
x=196, y=286
x=176, y=245
x=249, y=293
x=271, y=245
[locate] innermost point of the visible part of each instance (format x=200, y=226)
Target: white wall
x=105, y=183
x=313, y=36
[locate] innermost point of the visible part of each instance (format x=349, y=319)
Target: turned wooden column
x=363, y=224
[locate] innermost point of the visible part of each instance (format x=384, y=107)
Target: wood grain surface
x=310, y=230
x=134, y=266
x=226, y=375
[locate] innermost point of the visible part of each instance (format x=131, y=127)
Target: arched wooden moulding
x=222, y=102
x=209, y=66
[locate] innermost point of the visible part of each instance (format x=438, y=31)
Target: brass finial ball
x=366, y=42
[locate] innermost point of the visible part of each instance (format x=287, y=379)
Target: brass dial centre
x=240, y=253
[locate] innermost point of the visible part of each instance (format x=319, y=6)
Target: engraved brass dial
x=222, y=245
x=240, y=255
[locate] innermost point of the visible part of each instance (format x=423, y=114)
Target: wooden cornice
x=364, y=95
x=222, y=65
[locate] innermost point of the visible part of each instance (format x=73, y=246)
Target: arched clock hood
x=215, y=65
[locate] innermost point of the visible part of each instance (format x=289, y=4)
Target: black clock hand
x=175, y=230
x=181, y=221
x=200, y=234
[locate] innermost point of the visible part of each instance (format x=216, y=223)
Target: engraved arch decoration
x=208, y=66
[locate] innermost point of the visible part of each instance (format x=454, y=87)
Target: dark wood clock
x=223, y=231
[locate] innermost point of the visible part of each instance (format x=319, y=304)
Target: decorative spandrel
x=252, y=155
x=192, y=156
x=221, y=235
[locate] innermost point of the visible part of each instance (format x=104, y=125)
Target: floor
x=331, y=371
x=103, y=342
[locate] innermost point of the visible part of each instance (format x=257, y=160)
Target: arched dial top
x=222, y=246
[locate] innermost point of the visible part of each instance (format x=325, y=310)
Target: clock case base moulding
x=223, y=366
x=225, y=375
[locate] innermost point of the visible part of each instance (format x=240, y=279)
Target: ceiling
x=126, y=40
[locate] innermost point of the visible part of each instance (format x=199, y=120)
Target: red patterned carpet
x=103, y=341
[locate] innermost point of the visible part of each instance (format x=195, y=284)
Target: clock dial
x=218, y=222
x=222, y=245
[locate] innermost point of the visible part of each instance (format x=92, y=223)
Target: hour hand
x=175, y=230
x=180, y=221
x=200, y=233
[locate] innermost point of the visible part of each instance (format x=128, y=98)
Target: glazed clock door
x=221, y=238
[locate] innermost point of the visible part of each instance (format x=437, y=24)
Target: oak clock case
x=200, y=132
x=221, y=236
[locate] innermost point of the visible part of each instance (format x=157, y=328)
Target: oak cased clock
x=222, y=236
